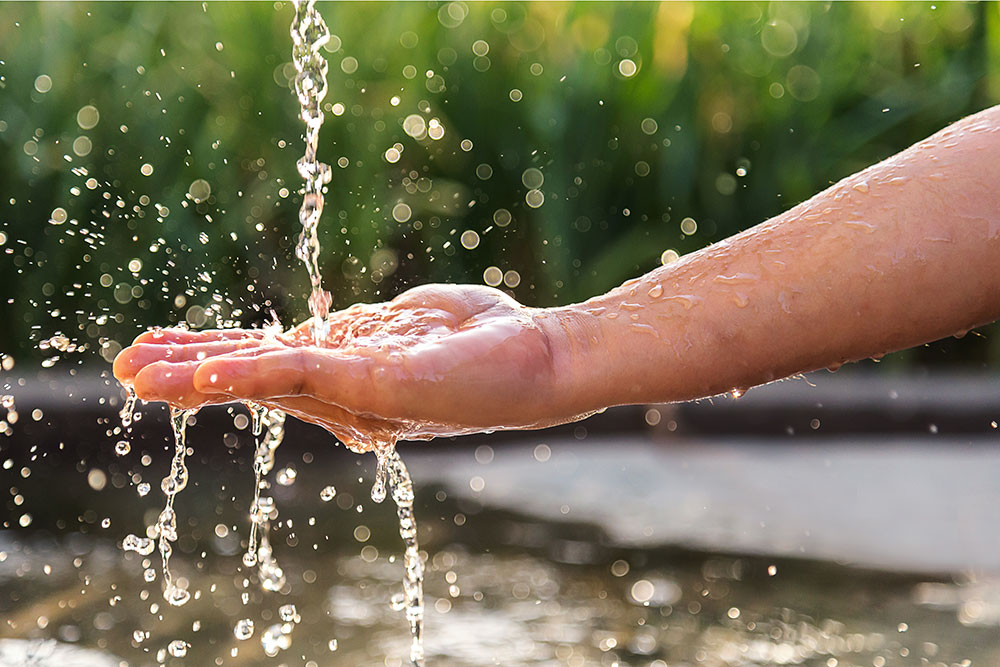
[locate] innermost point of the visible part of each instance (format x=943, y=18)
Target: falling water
x=269, y=429
x=412, y=600
x=165, y=531
x=309, y=34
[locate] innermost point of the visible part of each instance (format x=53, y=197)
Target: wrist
x=582, y=357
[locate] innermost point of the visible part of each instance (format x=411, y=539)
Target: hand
x=437, y=360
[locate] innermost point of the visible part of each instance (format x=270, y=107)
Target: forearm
x=902, y=253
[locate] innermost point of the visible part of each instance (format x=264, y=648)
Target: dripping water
x=411, y=602
x=166, y=524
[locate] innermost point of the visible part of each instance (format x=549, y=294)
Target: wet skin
x=437, y=360
x=904, y=252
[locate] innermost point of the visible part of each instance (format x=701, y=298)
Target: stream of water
x=309, y=33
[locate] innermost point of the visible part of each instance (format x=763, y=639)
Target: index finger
x=173, y=335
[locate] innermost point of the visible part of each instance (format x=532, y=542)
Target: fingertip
x=149, y=381
x=123, y=366
x=208, y=379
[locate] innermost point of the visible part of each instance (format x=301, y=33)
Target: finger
x=183, y=336
x=262, y=374
x=134, y=358
x=172, y=383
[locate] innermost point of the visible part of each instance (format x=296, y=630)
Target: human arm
x=899, y=254
x=902, y=253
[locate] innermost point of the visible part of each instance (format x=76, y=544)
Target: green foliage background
x=757, y=106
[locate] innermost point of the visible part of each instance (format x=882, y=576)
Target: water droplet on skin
x=685, y=300
x=741, y=300
x=860, y=225
x=646, y=329
x=736, y=279
x=655, y=292
x=861, y=186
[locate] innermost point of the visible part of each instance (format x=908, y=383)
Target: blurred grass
x=756, y=107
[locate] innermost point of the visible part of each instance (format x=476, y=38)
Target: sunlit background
x=147, y=151
x=554, y=150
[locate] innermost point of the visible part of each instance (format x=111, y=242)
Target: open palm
x=437, y=360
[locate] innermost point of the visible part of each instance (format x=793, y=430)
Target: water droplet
x=286, y=476
x=274, y=640
x=141, y=545
x=176, y=596
x=178, y=648
x=288, y=613
x=243, y=629
x=327, y=494
x=122, y=448
x=656, y=291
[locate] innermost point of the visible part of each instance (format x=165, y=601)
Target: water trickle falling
x=382, y=460
x=166, y=524
x=268, y=427
x=390, y=467
x=309, y=33
x=128, y=409
x=413, y=579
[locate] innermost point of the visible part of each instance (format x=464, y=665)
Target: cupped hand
x=437, y=360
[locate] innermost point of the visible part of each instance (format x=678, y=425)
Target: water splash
x=309, y=33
